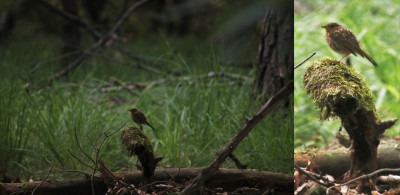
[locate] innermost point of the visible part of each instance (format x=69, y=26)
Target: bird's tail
x=364, y=54
x=150, y=126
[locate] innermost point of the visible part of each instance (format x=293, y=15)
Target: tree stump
x=137, y=143
x=340, y=92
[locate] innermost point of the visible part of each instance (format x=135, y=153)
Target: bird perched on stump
x=139, y=118
x=343, y=41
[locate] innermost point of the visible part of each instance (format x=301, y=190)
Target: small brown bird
x=343, y=41
x=139, y=118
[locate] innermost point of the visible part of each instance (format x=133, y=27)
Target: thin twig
x=301, y=63
x=97, y=156
x=368, y=176
x=238, y=164
x=62, y=170
x=79, y=159
x=80, y=148
x=310, y=176
x=91, y=142
x=44, y=179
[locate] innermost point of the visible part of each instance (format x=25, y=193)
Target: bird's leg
x=141, y=126
x=344, y=58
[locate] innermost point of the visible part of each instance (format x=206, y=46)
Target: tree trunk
x=337, y=162
x=71, y=35
x=275, y=52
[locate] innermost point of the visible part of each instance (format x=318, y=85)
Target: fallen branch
x=242, y=133
x=337, y=162
x=363, y=177
x=228, y=179
x=117, y=85
x=310, y=176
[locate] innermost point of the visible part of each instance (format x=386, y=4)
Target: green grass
x=193, y=119
x=376, y=25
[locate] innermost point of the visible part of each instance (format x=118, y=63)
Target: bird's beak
x=323, y=26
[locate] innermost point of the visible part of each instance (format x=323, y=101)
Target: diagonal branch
x=305, y=60
x=211, y=169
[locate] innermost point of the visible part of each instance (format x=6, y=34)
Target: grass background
x=376, y=25
x=193, y=119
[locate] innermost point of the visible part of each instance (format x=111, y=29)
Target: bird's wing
x=140, y=117
x=350, y=42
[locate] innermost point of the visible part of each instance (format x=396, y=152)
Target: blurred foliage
x=377, y=27
x=194, y=118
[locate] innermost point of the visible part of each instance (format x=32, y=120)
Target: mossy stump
x=137, y=143
x=340, y=92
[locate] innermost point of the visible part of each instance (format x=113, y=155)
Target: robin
x=139, y=118
x=343, y=41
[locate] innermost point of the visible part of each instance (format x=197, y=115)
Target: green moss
x=136, y=141
x=333, y=83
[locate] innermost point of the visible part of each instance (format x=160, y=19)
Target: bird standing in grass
x=139, y=118
x=343, y=41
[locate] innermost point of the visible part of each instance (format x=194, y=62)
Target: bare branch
x=80, y=148
x=238, y=164
x=44, y=179
x=79, y=159
x=310, y=176
x=62, y=170
x=97, y=156
x=305, y=60
x=368, y=176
